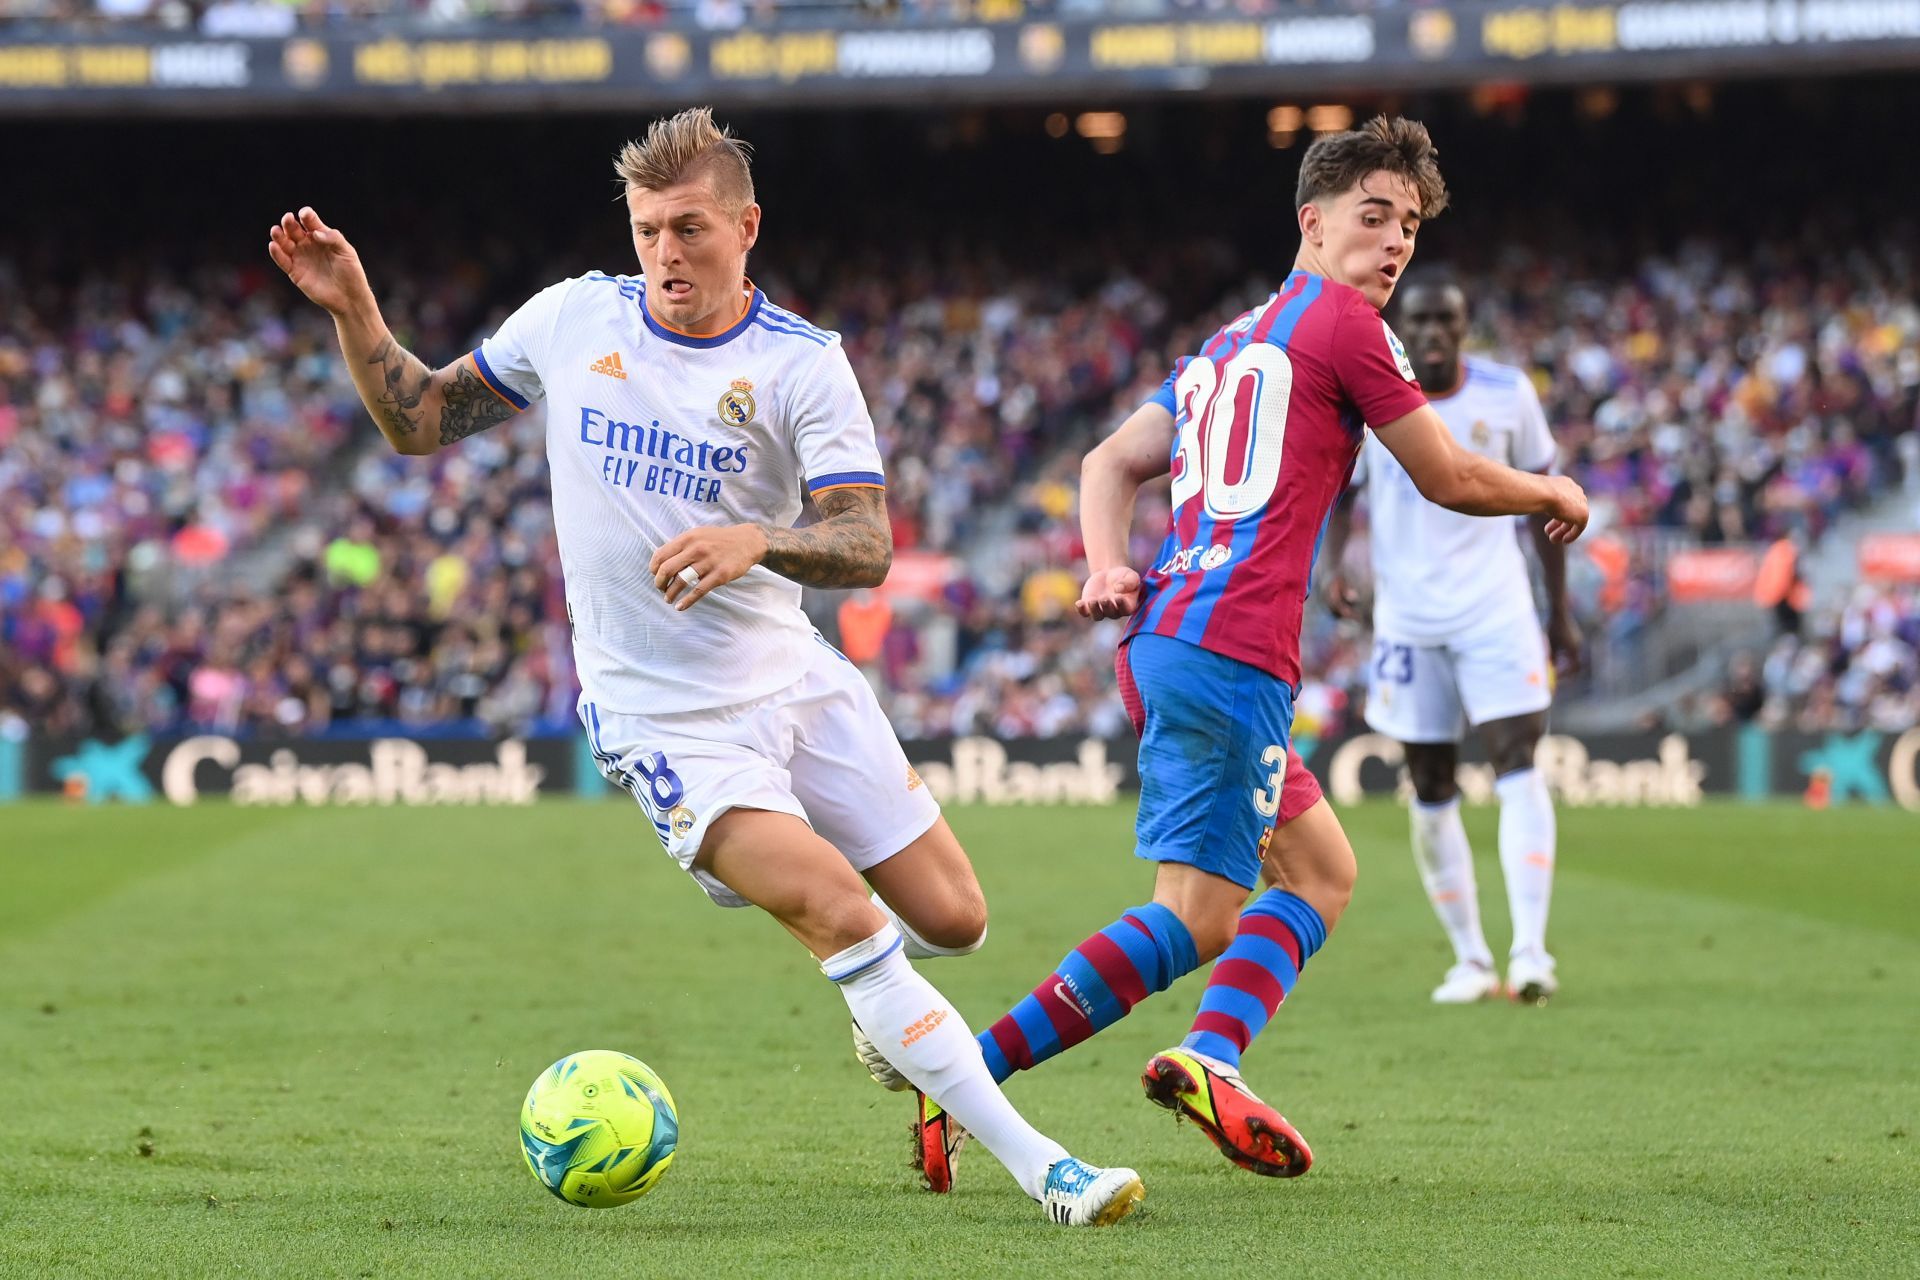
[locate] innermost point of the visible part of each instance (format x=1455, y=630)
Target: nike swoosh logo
x=1066, y=998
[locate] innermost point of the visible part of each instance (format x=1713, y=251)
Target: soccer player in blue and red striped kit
x=1260, y=430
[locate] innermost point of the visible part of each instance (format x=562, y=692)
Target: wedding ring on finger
x=688, y=576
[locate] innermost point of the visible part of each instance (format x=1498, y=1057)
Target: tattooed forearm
x=851, y=546
x=469, y=406
x=405, y=381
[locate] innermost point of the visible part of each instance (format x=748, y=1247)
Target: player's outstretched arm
x=1464, y=481
x=418, y=409
x=1110, y=480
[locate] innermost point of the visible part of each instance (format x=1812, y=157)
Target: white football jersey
x=651, y=432
x=1437, y=572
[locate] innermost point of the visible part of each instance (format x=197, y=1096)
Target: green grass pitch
x=294, y=1042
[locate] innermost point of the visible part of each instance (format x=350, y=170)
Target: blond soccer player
x=686, y=414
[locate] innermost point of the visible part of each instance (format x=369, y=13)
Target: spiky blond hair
x=684, y=148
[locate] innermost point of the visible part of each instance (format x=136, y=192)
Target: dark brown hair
x=684, y=147
x=1338, y=162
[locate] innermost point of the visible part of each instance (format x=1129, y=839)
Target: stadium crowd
x=198, y=526
x=1851, y=668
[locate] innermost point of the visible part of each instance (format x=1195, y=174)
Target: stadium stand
x=199, y=527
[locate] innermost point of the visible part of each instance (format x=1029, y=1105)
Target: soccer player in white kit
x=1457, y=642
x=686, y=414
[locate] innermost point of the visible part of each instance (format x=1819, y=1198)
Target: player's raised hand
x=1110, y=593
x=1568, y=518
x=699, y=560
x=319, y=261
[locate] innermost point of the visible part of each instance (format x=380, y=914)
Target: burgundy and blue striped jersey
x=1268, y=417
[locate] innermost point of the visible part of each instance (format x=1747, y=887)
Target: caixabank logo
x=98, y=772
x=141, y=769
x=387, y=771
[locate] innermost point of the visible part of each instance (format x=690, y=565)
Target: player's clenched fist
x=1110, y=593
x=1568, y=519
x=319, y=261
x=699, y=560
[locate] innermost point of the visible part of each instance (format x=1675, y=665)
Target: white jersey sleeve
x=830, y=428
x=1533, y=445
x=511, y=359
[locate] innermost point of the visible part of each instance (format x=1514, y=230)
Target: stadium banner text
x=794, y=62
x=1633, y=770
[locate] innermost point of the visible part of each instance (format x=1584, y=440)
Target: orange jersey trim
x=746, y=301
x=857, y=484
x=489, y=383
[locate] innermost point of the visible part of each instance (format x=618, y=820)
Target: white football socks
x=924, y=1036
x=918, y=948
x=1527, y=837
x=1445, y=859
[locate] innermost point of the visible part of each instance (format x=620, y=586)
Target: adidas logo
x=609, y=365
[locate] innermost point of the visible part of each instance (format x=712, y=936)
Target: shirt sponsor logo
x=656, y=459
x=1187, y=558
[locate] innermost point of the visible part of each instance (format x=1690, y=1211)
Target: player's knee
x=1512, y=755
x=829, y=922
x=961, y=929
x=1212, y=935
x=1432, y=783
x=1331, y=890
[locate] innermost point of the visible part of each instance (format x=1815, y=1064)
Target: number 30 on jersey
x=1232, y=426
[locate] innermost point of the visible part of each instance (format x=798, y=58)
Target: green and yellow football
x=598, y=1128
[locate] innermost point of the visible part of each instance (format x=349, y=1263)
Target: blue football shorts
x=1214, y=733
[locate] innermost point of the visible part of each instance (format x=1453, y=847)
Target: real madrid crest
x=1481, y=436
x=736, y=406
x=680, y=820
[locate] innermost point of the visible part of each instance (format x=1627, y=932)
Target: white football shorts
x=820, y=749
x=1431, y=693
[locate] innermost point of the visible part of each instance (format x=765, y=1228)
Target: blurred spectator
x=1859, y=668
x=1779, y=586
